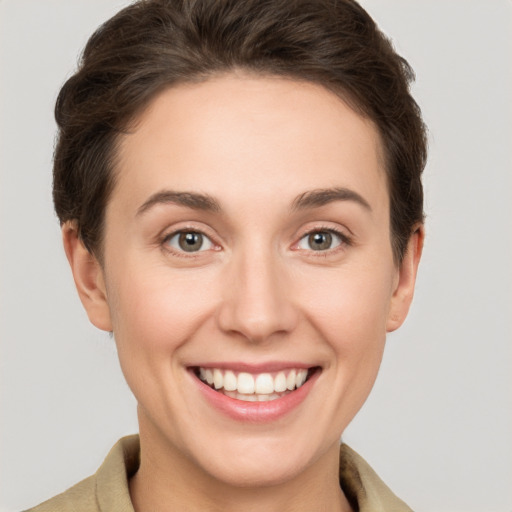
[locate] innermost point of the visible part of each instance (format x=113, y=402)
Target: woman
x=239, y=190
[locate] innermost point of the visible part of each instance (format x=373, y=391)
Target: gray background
x=438, y=426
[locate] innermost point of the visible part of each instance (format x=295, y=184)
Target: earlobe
x=404, y=290
x=88, y=277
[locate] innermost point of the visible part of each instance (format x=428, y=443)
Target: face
x=248, y=274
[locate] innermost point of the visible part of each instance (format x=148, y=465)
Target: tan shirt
x=108, y=491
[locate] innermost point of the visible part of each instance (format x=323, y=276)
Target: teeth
x=245, y=383
x=248, y=387
x=280, y=382
x=290, y=380
x=264, y=384
x=208, y=375
x=230, y=381
x=300, y=378
x=253, y=398
x=268, y=398
x=218, y=379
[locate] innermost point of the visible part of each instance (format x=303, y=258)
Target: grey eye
x=320, y=241
x=190, y=241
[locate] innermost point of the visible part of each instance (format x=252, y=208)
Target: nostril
x=256, y=323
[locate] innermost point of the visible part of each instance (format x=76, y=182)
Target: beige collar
x=363, y=488
x=108, y=490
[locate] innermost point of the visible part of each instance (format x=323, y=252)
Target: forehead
x=237, y=135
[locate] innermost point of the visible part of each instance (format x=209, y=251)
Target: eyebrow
x=192, y=200
x=197, y=201
x=324, y=196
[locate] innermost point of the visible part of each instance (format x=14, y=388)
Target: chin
x=245, y=473
x=262, y=461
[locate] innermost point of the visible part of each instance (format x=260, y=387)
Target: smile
x=259, y=387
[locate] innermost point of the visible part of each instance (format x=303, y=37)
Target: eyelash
x=345, y=241
x=166, y=238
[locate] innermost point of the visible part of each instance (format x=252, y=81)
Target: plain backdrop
x=438, y=425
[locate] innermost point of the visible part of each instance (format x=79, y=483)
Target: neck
x=168, y=480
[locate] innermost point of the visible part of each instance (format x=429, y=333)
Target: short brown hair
x=154, y=44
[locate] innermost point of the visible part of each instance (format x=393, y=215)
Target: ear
x=88, y=276
x=404, y=289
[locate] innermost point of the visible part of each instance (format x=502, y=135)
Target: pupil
x=191, y=242
x=320, y=241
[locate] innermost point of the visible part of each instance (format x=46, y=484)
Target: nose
x=257, y=303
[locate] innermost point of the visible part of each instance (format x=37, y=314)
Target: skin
x=258, y=293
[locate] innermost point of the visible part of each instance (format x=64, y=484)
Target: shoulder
x=79, y=498
x=363, y=486
x=107, y=489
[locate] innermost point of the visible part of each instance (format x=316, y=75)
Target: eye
x=321, y=240
x=189, y=241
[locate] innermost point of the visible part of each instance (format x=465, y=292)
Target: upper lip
x=271, y=366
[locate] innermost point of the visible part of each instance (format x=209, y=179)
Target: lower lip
x=256, y=412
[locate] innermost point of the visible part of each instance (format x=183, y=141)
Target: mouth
x=254, y=387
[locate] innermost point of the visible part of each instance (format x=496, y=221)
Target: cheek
x=153, y=315
x=350, y=307
x=158, y=310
